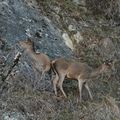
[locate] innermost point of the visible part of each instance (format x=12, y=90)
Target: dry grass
x=44, y=105
x=26, y=96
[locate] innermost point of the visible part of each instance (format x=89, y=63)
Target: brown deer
x=41, y=61
x=73, y=70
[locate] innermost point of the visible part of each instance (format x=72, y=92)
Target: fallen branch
x=15, y=62
x=16, y=59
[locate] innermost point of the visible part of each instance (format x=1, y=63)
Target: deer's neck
x=97, y=71
x=32, y=53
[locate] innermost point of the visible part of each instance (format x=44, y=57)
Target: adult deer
x=74, y=70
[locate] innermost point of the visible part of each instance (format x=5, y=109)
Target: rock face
x=13, y=116
x=19, y=20
x=68, y=41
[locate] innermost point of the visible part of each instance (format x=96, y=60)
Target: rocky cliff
x=73, y=29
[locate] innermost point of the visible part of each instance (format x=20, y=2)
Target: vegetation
x=98, y=23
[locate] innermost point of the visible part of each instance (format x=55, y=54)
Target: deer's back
x=45, y=60
x=61, y=65
x=79, y=69
x=42, y=60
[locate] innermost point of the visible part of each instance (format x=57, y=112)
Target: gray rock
x=18, y=21
x=13, y=116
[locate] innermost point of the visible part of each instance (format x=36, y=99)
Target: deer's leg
x=80, y=84
x=61, y=79
x=88, y=89
x=40, y=69
x=42, y=75
x=55, y=81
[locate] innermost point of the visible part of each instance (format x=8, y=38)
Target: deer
x=41, y=60
x=82, y=72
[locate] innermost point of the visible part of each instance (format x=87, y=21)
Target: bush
x=107, y=8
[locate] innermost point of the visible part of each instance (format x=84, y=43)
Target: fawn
x=41, y=60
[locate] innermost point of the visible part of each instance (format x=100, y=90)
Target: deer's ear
x=28, y=39
x=110, y=61
x=104, y=62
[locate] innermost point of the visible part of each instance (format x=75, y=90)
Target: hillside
x=84, y=31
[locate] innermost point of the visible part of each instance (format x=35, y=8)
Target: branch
x=15, y=62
